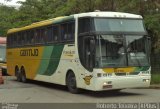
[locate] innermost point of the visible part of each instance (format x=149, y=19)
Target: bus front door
x=87, y=57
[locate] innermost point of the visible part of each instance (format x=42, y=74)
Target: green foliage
x=155, y=78
x=7, y=18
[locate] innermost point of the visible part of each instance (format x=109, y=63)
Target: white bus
x=95, y=51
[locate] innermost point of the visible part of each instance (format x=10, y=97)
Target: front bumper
x=121, y=82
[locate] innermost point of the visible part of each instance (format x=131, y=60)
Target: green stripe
x=45, y=59
x=54, y=60
x=50, y=60
x=50, y=66
x=145, y=68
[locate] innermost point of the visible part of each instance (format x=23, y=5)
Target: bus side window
x=25, y=38
x=67, y=31
x=15, y=40
x=45, y=35
x=71, y=31
x=38, y=36
x=55, y=33
x=49, y=35
x=35, y=36
x=19, y=39
x=64, y=32
x=22, y=40
x=26, y=34
x=42, y=36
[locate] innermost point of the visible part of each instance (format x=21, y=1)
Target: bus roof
x=40, y=24
x=63, y=18
x=2, y=40
x=109, y=14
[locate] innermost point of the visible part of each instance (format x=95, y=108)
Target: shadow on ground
x=99, y=94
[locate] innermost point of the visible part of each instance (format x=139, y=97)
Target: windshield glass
x=120, y=51
x=118, y=25
x=110, y=51
x=136, y=50
x=2, y=53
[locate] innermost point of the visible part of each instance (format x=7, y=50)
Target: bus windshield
x=121, y=51
x=2, y=53
x=111, y=25
x=118, y=25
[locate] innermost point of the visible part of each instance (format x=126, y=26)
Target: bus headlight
x=107, y=84
x=146, y=80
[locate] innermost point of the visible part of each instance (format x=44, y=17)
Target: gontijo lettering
x=29, y=52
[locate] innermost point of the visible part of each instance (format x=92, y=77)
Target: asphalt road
x=39, y=92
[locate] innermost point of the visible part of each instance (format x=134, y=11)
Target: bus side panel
x=50, y=63
x=29, y=58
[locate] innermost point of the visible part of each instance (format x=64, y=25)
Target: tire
x=23, y=75
x=71, y=83
x=18, y=74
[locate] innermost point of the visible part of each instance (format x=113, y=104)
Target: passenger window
x=71, y=31
x=64, y=32
x=67, y=31
x=55, y=33
x=49, y=35
x=15, y=40
x=37, y=36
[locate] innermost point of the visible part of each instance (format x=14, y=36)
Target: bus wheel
x=71, y=83
x=23, y=75
x=18, y=75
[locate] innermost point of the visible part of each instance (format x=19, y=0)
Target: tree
x=6, y=18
